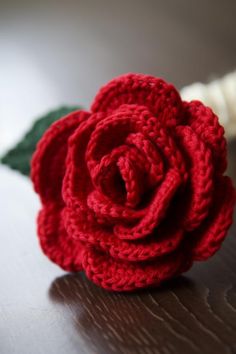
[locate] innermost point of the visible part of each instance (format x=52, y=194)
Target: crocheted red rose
x=133, y=191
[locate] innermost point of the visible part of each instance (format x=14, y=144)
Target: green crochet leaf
x=19, y=157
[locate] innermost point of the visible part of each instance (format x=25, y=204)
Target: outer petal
x=48, y=168
x=208, y=239
x=206, y=124
x=48, y=163
x=160, y=98
x=125, y=276
x=198, y=195
x=54, y=240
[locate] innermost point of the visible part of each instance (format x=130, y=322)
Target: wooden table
x=78, y=47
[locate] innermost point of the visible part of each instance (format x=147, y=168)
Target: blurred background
x=61, y=52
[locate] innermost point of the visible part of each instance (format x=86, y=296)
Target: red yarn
x=133, y=192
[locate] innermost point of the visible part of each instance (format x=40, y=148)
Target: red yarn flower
x=133, y=192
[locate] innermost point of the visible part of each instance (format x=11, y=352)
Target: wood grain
x=44, y=310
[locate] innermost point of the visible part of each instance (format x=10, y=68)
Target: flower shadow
x=117, y=322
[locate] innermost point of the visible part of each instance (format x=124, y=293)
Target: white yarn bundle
x=220, y=95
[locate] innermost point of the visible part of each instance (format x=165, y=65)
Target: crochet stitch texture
x=133, y=191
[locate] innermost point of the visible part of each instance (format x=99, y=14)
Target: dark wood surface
x=78, y=47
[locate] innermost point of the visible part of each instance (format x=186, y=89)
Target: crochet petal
x=164, y=240
x=150, y=157
x=209, y=237
x=118, y=128
x=110, y=212
x=206, y=124
x=77, y=182
x=155, y=212
x=55, y=242
x=198, y=194
x=48, y=163
x=125, y=276
x=160, y=98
